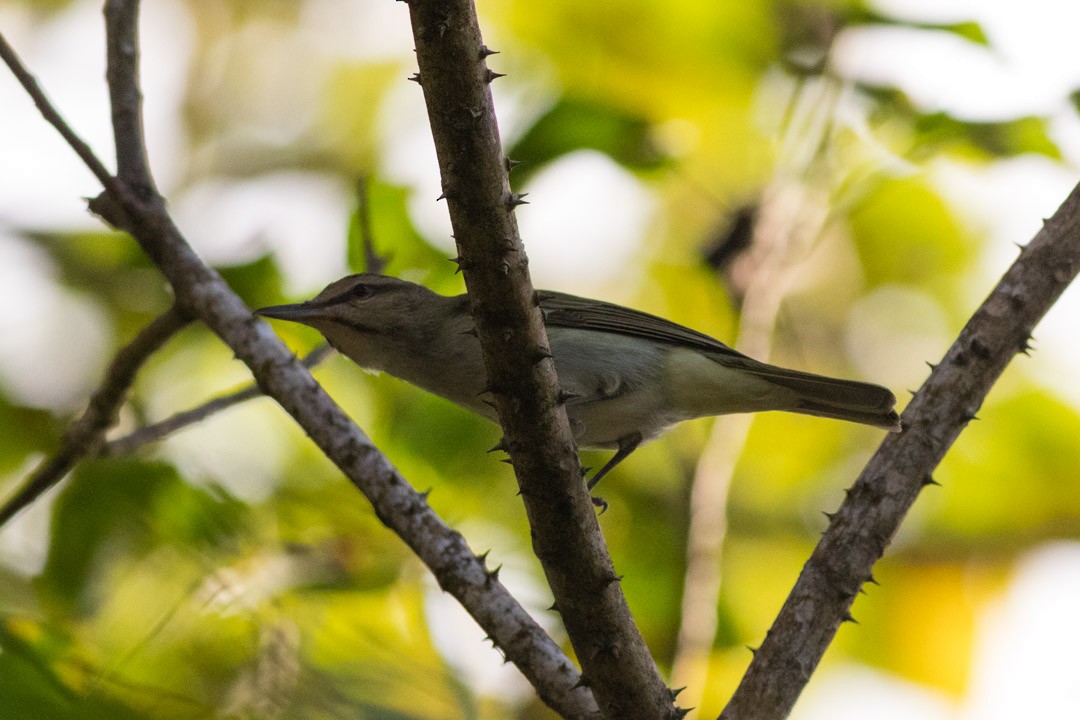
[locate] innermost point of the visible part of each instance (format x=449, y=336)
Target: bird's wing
x=569, y=311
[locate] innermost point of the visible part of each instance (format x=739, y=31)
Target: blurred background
x=836, y=184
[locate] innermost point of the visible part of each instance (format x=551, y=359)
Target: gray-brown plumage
x=628, y=375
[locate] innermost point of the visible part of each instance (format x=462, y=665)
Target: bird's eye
x=361, y=291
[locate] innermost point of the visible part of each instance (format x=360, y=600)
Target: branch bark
x=158, y=431
x=787, y=223
x=201, y=291
x=882, y=495
x=84, y=436
x=521, y=373
x=791, y=219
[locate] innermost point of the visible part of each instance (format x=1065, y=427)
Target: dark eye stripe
x=360, y=291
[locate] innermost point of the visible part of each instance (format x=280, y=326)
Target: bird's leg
x=626, y=445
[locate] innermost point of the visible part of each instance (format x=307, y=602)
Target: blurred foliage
x=231, y=572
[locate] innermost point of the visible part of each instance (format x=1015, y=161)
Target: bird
x=627, y=375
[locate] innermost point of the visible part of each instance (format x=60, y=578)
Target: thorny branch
x=201, y=291
x=155, y=432
x=876, y=504
x=566, y=535
x=84, y=436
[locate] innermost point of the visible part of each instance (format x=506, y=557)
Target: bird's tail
x=822, y=396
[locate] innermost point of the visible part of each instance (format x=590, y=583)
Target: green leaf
x=29, y=430
x=122, y=508
x=353, y=96
x=583, y=124
x=997, y=139
x=905, y=233
x=31, y=686
x=968, y=30
x=258, y=282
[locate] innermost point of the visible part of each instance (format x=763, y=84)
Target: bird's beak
x=299, y=312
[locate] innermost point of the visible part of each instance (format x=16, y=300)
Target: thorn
x=493, y=575
x=912, y=393
x=424, y=494
x=613, y=579
x=929, y=480
x=600, y=503
x=565, y=396
x=442, y=196
x=674, y=692
x=415, y=77
x=514, y=199
x=554, y=607
x=508, y=461
x=931, y=365
x=470, y=331
x=491, y=76
x=847, y=618
x=582, y=682
x=485, y=51
x=489, y=403
x=753, y=650
x=511, y=164
x=873, y=580
x=828, y=515
x=541, y=354
x=500, y=446
x=680, y=713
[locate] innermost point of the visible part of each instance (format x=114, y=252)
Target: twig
x=122, y=76
x=373, y=261
x=84, y=435
x=521, y=372
x=33, y=89
x=790, y=218
x=158, y=431
x=280, y=375
x=878, y=501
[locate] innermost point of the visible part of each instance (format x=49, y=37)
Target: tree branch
x=158, y=431
x=201, y=290
x=521, y=373
x=84, y=436
x=790, y=220
x=122, y=77
x=374, y=262
x=33, y=89
x=885, y=490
